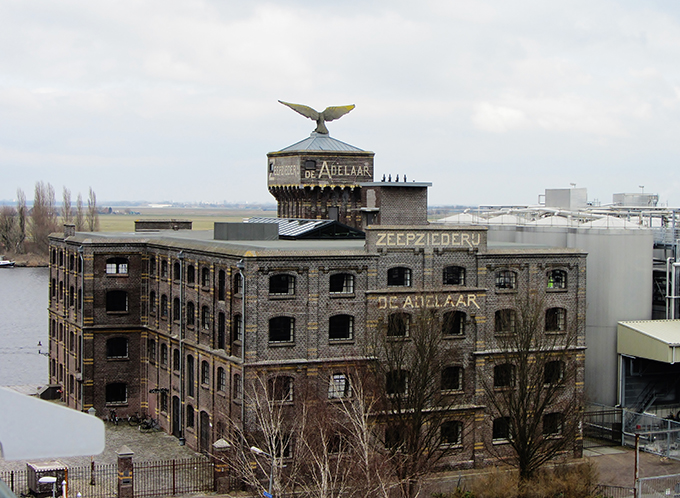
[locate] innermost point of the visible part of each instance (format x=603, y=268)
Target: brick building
x=170, y=321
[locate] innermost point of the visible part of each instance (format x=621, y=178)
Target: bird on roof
x=329, y=114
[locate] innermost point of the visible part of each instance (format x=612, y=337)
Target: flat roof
x=651, y=339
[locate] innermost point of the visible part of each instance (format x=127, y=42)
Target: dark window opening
x=394, y=438
x=505, y=321
x=454, y=275
x=554, y=372
x=190, y=416
x=451, y=432
x=555, y=320
x=205, y=277
x=501, y=428
x=504, y=375
x=116, y=301
x=281, y=329
x=342, y=283
x=399, y=277
x=116, y=393
x=452, y=378
x=205, y=373
x=280, y=388
x=557, y=279
x=453, y=323
x=177, y=271
x=341, y=327
x=191, y=274
x=398, y=325
x=205, y=318
x=191, y=313
x=396, y=382
x=506, y=280
x=176, y=309
x=221, y=285
x=190, y=375
x=164, y=269
x=552, y=424
x=339, y=386
x=282, y=284
x=117, y=347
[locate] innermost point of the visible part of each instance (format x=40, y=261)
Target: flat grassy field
x=203, y=219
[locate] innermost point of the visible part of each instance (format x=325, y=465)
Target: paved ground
x=145, y=446
x=617, y=465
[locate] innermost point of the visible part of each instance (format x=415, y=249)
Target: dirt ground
x=617, y=465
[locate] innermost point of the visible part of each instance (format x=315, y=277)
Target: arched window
x=501, y=429
x=453, y=323
x=191, y=275
x=152, y=302
x=117, y=266
x=221, y=379
x=281, y=284
x=221, y=285
x=506, y=280
x=116, y=301
x=555, y=320
x=280, y=388
x=452, y=378
x=238, y=283
x=399, y=277
x=71, y=296
x=191, y=313
x=454, y=275
x=190, y=416
x=557, y=279
x=116, y=393
x=342, y=283
x=451, y=432
x=176, y=309
x=164, y=269
x=339, y=386
x=176, y=271
x=164, y=306
x=151, y=350
x=398, y=325
x=236, y=391
x=505, y=321
x=341, y=327
x=237, y=334
x=205, y=318
x=175, y=360
x=504, y=375
x=164, y=355
x=221, y=331
x=281, y=329
x=152, y=265
x=205, y=276
x=205, y=373
x=190, y=375
x=117, y=347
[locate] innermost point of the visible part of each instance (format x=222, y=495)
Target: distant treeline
x=25, y=228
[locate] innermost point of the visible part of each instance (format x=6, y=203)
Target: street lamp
x=258, y=451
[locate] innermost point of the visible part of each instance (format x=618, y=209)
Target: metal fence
x=606, y=491
x=660, y=486
x=173, y=477
x=163, y=478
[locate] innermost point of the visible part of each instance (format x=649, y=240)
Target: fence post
x=125, y=473
x=221, y=477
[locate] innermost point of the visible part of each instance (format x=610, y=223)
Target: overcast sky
x=491, y=101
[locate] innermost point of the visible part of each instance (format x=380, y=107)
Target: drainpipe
x=182, y=440
x=241, y=266
x=82, y=321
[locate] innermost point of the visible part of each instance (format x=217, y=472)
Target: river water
x=23, y=322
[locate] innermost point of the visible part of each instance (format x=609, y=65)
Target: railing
x=659, y=486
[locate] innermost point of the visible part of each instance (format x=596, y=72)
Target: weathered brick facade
x=160, y=321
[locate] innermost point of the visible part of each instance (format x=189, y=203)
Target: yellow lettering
x=449, y=301
x=435, y=238
x=454, y=239
x=410, y=237
x=393, y=300
x=478, y=237
x=428, y=302
x=461, y=300
x=390, y=239
x=473, y=299
x=445, y=239
x=381, y=239
x=419, y=239
x=400, y=239
x=334, y=170
x=436, y=301
x=465, y=239
x=408, y=303
x=324, y=169
x=354, y=171
x=382, y=302
x=366, y=172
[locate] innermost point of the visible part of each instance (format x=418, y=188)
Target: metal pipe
x=241, y=266
x=182, y=440
x=668, y=265
x=82, y=321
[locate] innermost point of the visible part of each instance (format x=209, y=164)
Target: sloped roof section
x=298, y=228
x=657, y=340
x=321, y=142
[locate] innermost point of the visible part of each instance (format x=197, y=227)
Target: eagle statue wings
x=329, y=114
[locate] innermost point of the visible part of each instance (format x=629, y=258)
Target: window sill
x=117, y=358
x=280, y=297
x=555, y=332
x=506, y=291
x=340, y=295
x=451, y=446
x=499, y=442
x=453, y=336
x=340, y=342
x=117, y=312
x=281, y=344
x=117, y=275
x=557, y=290
x=117, y=403
x=453, y=391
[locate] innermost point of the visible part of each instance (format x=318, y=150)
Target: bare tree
x=43, y=216
x=80, y=214
x=66, y=213
x=8, y=228
x=92, y=213
x=412, y=358
x=533, y=393
x=22, y=215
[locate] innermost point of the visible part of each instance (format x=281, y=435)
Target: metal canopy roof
x=651, y=339
x=298, y=228
x=321, y=142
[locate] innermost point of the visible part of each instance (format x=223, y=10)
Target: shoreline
x=28, y=260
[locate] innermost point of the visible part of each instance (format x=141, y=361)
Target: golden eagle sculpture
x=329, y=114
